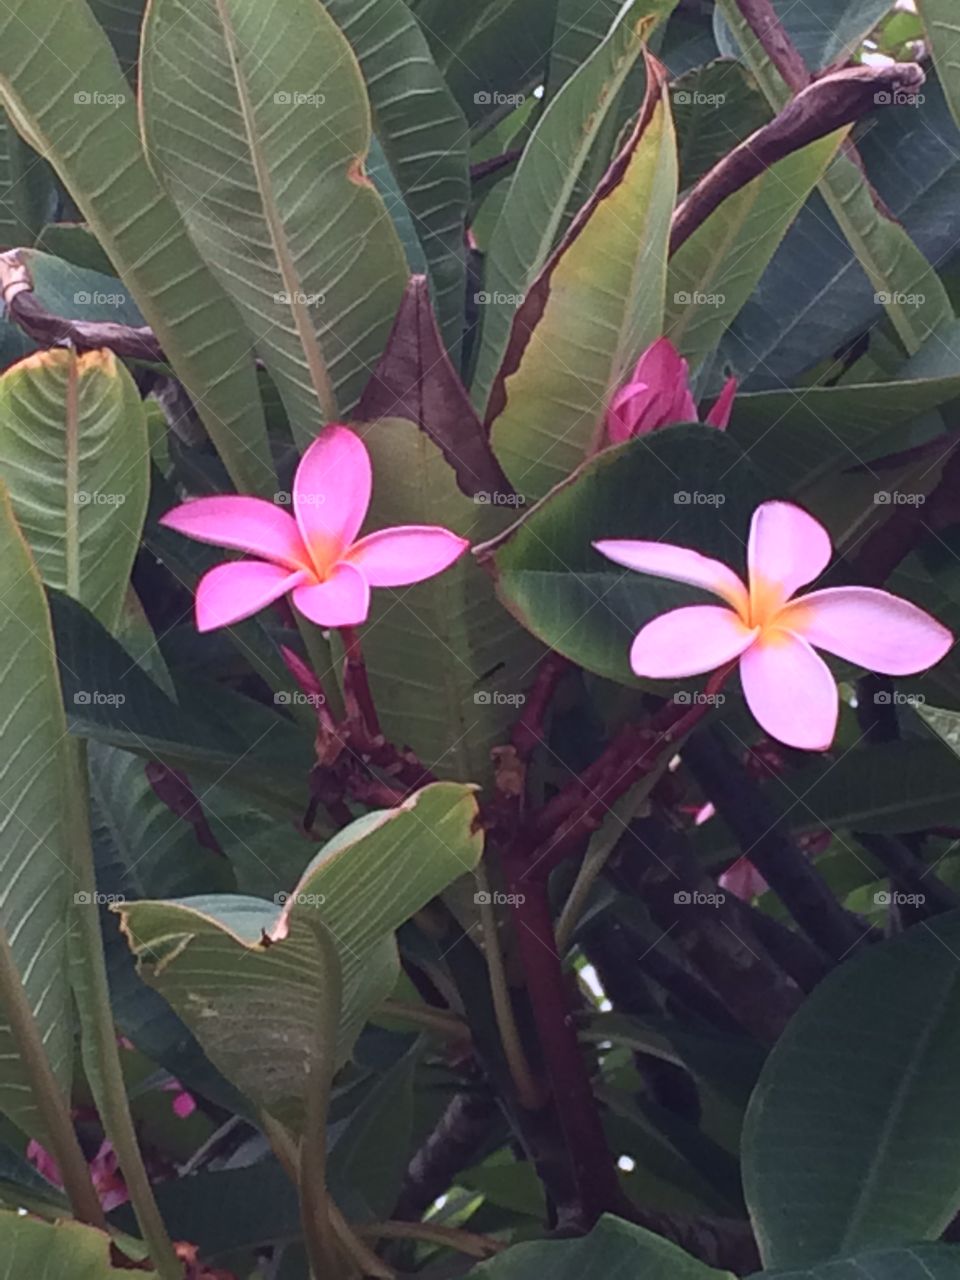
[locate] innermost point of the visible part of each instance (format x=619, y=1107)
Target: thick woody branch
x=820, y=108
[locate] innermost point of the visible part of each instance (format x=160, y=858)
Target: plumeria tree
x=479, y=713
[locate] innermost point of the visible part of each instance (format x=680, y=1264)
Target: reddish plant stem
x=356, y=685
x=527, y=733
x=776, y=43
x=594, y=1172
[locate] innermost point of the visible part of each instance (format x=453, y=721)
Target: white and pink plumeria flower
x=772, y=633
x=314, y=554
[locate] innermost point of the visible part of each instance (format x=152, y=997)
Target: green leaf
x=843, y=1144
x=688, y=485
x=716, y=270
x=73, y=452
x=905, y=282
x=577, y=33
x=269, y=99
x=715, y=107
x=34, y=839
x=245, y=974
x=448, y=666
x=891, y=788
x=823, y=35
x=795, y=437
x=614, y=1248
x=370, y=1149
x=489, y=53
x=85, y=124
x=942, y=24
x=27, y=193
x=68, y=1250
x=121, y=21
x=597, y=304
x=110, y=699
x=423, y=134
x=544, y=181
x=915, y=1262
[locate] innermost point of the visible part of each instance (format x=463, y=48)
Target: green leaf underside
x=257, y=121
x=244, y=973
x=94, y=146
x=37, y=884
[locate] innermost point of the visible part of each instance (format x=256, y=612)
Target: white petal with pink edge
x=786, y=549
x=790, y=691
x=408, y=553
x=231, y=592
x=662, y=560
x=331, y=492
x=689, y=642
x=342, y=601
x=243, y=524
x=871, y=628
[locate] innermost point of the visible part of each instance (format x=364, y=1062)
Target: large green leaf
x=614, y=1248
x=844, y=1142
x=246, y=974
x=578, y=31
x=448, y=666
x=687, y=485
x=27, y=193
x=85, y=123
x=942, y=24
x=597, y=304
x=257, y=122
x=715, y=107
x=216, y=734
x=74, y=455
x=717, y=268
x=67, y=1250
x=544, y=181
x=423, y=134
x=914, y=1262
x=34, y=839
x=797, y=436
x=905, y=282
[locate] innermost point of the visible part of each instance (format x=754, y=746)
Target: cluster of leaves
x=473, y=974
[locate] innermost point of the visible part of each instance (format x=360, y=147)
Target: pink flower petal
x=663, y=560
x=869, y=627
x=786, y=549
x=343, y=600
x=243, y=524
x=719, y=415
x=232, y=592
x=689, y=642
x=790, y=691
x=743, y=880
x=626, y=410
x=408, y=553
x=331, y=494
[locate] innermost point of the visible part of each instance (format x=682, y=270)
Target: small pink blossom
x=104, y=1173
x=658, y=394
x=788, y=687
x=314, y=554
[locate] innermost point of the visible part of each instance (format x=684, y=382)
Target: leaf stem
x=58, y=1128
x=356, y=685
x=98, y=1039
x=468, y=1242
x=529, y=1093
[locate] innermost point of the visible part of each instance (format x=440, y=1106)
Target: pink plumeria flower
x=314, y=554
x=788, y=688
x=658, y=394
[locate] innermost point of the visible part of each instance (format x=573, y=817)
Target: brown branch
x=25, y=309
x=772, y=36
x=830, y=103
